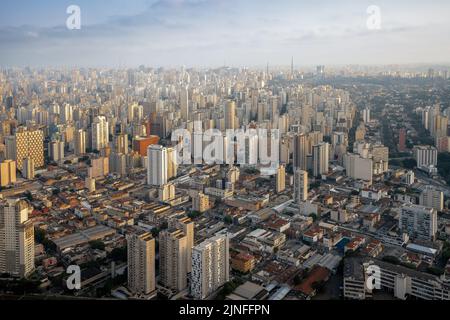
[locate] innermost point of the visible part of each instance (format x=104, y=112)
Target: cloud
x=193, y=32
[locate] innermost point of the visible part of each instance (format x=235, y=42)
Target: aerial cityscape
x=282, y=179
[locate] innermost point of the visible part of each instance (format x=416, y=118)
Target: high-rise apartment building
x=357, y=167
x=281, y=179
x=118, y=163
x=99, y=167
x=28, y=171
x=166, y=192
x=200, y=202
x=173, y=250
x=366, y=115
x=300, y=186
x=56, y=150
x=16, y=238
x=187, y=226
x=425, y=156
x=410, y=177
x=7, y=173
x=339, y=138
x=80, y=142
x=172, y=165
x=26, y=143
x=157, y=165
x=432, y=198
x=360, y=133
x=184, y=104
x=121, y=143
x=300, y=151
x=230, y=115
x=210, y=266
x=141, y=263
x=418, y=222
x=66, y=113
x=402, y=140
x=380, y=157
x=100, y=133
x=320, y=158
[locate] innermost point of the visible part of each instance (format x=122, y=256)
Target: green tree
x=314, y=216
x=39, y=235
x=391, y=259
x=97, y=244
x=444, y=166
x=194, y=214
x=119, y=254
x=155, y=232
x=297, y=279
x=409, y=163
x=228, y=219
x=435, y=271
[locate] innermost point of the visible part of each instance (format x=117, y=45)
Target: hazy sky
x=214, y=32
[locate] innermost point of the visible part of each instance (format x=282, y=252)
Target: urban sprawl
x=101, y=198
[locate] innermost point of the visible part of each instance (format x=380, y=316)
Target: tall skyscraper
x=300, y=186
x=418, y=222
x=200, y=202
x=172, y=166
x=360, y=133
x=432, y=198
x=157, y=165
x=320, y=158
x=100, y=133
x=66, y=113
x=425, y=156
x=410, y=178
x=121, y=143
x=26, y=143
x=300, y=151
x=16, y=238
x=28, y=171
x=402, y=140
x=99, y=167
x=166, y=192
x=210, y=266
x=230, y=115
x=56, y=150
x=358, y=167
x=173, y=250
x=366, y=115
x=380, y=157
x=187, y=226
x=339, y=138
x=7, y=173
x=118, y=163
x=314, y=138
x=80, y=142
x=184, y=104
x=281, y=179
x=141, y=263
